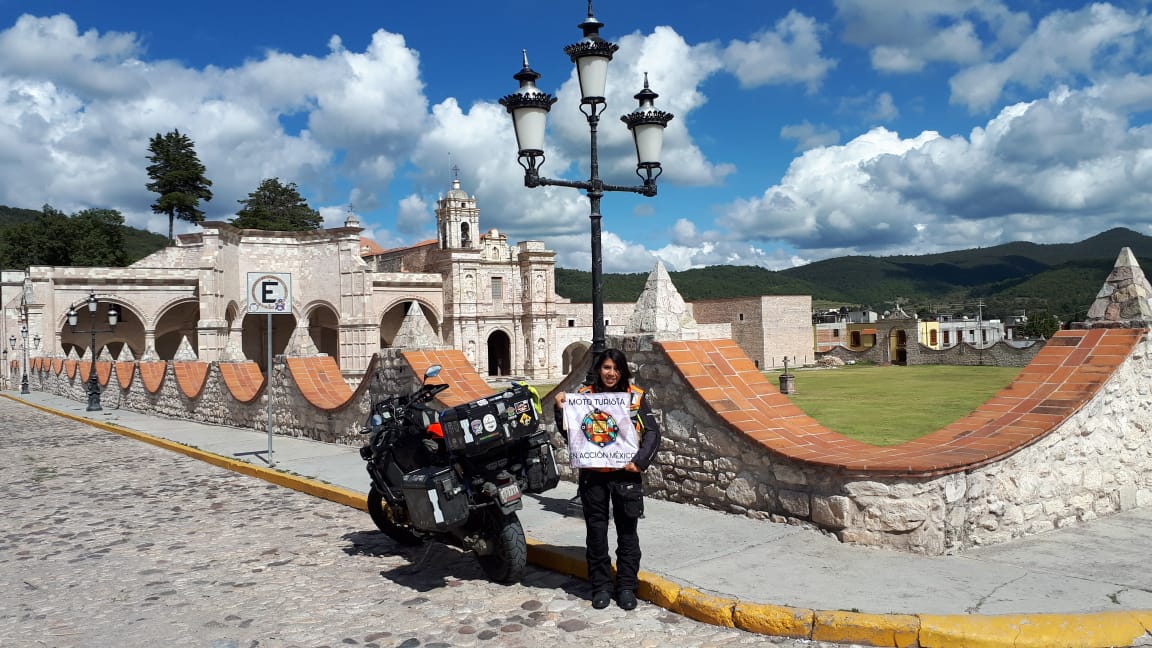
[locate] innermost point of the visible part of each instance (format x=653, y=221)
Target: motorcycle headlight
x=376, y=421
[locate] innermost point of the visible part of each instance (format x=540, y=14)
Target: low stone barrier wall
x=1066, y=442
x=1000, y=354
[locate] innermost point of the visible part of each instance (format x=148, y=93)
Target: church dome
x=456, y=193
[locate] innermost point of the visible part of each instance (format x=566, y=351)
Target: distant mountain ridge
x=1008, y=279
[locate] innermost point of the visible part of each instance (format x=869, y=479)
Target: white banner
x=600, y=431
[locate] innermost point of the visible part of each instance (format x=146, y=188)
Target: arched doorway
x=174, y=325
x=572, y=356
x=324, y=329
x=499, y=354
x=899, y=346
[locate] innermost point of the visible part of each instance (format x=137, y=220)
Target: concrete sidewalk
x=1083, y=586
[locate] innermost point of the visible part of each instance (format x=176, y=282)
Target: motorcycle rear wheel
x=383, y=519
x=506, y=564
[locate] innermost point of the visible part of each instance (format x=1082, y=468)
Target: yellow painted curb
x=894, y=630
x=558, y=560
x=775, y=620
x=1099, y=630
x=714, y=610
x=658, y=590
x=1089, y=630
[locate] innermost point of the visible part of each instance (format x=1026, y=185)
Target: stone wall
x=1094, y=461
x=1000, y=354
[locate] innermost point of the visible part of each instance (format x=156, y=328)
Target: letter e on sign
x=270, y=292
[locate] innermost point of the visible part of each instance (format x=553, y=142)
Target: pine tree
x=178, y=176
x=276, y=206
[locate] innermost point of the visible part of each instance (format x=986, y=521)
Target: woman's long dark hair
x=617, y=357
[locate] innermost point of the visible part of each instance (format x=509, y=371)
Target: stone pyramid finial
x=150, y=354
x=661, y=310
x=126, y=354
x=301, y=343
x=72, y=354
x=185, y=353
x=416, y=332
x=86, y=356
x=233, y=352
x=1124, y=296
x=105, y=354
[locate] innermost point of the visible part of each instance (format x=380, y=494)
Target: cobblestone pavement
x=106, y=541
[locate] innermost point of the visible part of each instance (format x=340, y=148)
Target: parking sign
x=270, y=293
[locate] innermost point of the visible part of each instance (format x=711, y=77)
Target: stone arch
x=393, y=316
x=324, y=327
x=175, y=321
x=129, y=329
x=231, y=313
x=572, y=355
x=254, y=336
x=499, y=345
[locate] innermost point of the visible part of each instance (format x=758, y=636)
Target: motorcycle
x=465, y=487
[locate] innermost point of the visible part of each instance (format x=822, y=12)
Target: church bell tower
x=458, y=219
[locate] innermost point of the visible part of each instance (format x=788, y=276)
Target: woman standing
x=619, y=490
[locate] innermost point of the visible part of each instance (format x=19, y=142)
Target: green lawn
x=891, y=405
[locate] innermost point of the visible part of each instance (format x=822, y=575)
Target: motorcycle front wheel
x=383, y=519
x=509, y=558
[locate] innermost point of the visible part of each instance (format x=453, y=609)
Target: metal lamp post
x=4, y=360
x=529, y=109
x=24, y=350
x=113, y=319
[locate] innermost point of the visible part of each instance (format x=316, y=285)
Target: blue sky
x=803, y=131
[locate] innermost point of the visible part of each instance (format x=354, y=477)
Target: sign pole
x=271, y=459
x=269, y=293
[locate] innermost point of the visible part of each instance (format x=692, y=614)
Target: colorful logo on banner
x=600, y=428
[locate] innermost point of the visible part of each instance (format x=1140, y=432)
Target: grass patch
x=890, y=405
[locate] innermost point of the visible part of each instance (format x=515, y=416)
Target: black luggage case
x=540, y=465
x=486, y=423
x=435, y=499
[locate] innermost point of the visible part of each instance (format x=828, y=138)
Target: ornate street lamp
x=24, y=350
x=113, y=319
x=529, y=108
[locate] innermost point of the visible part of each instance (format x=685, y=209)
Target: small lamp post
x=113, y=319
x=529, y=108
x=24, y=350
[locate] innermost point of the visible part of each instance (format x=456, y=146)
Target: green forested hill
x=1007, y=279
x=138, y=243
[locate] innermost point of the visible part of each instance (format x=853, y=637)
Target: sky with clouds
x=802, y=131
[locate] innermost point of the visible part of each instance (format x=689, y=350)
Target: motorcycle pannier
x=481, y=425
x=436, y=501
x=540, y=465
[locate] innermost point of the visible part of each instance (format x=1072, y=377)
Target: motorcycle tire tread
x=510, y=559
x=384, y=522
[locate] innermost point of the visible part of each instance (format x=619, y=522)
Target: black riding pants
x=622, y=492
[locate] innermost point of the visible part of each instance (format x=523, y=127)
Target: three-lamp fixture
x=113, y=319
x=529, y=108
x=24, y=347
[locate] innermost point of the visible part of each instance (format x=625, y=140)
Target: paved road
x=106, y=541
